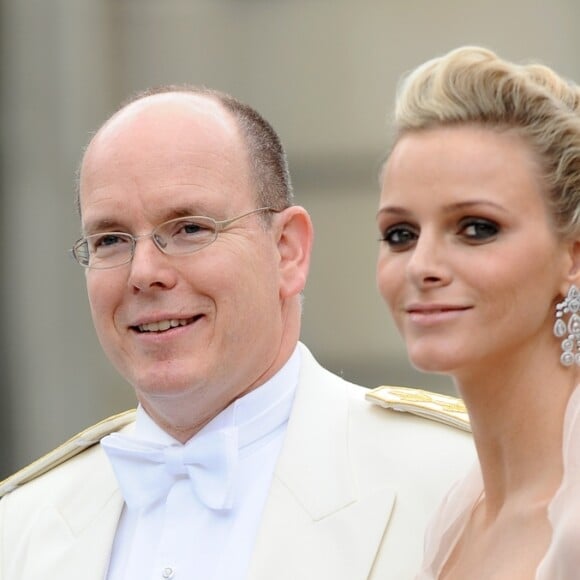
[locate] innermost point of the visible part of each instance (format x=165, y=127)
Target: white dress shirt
x=183, y=539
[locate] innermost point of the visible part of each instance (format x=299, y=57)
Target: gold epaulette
x=64, y=452
x=435, y=406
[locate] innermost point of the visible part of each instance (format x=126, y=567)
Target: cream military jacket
x=352, y=492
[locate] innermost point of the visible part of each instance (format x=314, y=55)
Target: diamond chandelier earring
x=571, y=344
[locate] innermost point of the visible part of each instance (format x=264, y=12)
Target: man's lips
x=164, y=324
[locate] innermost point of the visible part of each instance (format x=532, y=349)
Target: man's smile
x=166, y=324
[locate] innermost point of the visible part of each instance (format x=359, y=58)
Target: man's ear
x=295, y=237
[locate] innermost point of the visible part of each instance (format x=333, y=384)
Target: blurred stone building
x=324, y=72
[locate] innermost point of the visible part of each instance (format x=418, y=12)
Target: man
x=247, y=460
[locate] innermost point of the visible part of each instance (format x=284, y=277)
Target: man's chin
x=155, y=383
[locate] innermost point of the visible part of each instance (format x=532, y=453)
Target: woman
x=479, y=263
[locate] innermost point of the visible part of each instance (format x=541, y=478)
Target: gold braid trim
x=435, y=406
x=64, y=452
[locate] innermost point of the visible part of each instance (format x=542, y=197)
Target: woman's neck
x=517, y=417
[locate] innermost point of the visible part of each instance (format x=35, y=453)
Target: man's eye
x=399, y=237
x=107, y=241
x=478, y=229
x=189, y=228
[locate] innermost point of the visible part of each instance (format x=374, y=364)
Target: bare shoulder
x=72, y=448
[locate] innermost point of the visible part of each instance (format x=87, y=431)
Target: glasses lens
x=81, y=252
x=185, y=235
x=105, y=250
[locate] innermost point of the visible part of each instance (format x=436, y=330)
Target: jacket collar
x=315, y=509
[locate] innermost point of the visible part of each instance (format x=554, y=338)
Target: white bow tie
x=146, y=471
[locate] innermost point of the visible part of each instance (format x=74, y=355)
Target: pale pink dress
x=562, y=560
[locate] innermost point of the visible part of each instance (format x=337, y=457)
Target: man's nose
x=150, y=267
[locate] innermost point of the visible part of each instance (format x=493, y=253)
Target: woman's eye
x=478, y=230
x=399, y=237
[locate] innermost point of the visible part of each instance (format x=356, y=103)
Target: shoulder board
x=435, y=406
x=64, y=452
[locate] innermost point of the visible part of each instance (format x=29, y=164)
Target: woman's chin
x=431, y=363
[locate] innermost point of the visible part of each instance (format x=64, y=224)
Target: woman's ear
x=573, y=274
x=295, y=237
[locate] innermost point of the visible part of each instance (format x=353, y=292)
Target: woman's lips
x=434, y=313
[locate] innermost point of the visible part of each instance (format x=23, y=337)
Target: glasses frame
x=219, y=225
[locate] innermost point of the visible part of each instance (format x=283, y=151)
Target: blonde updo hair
x=473, y=85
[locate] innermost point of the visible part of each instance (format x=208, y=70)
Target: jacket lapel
x=77, y=535
x=315, y=510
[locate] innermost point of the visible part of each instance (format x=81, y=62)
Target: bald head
x=162, y=106
x=267, y=162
